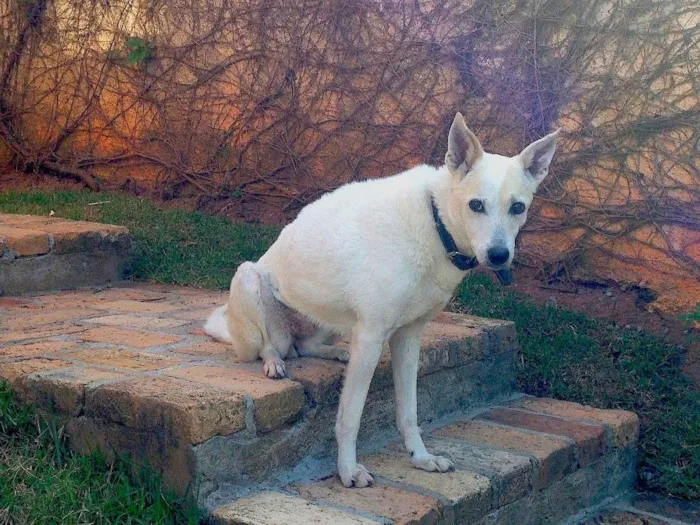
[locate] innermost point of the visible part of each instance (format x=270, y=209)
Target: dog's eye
x=477, y=206
x=517, y=208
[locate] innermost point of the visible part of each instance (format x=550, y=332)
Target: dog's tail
x=241, y=322
x=217, y=325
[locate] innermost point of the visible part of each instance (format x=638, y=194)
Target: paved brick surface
x=320, y=377
x=402, y=507
x=24, y=242
x=132, y=306
x=122, y=358
x=204, y=350
x=51, y=253
x=275, y=402
x=555, y=456
x=17, y=373
x=135, y=321
x=120, y=336
x=41, y=348
x=468, y=493
x=510, y=474
x=273, y=508
x=28, y=235
x=188, y=411
x=62, y=391
x=590, y=439
x=624, y=425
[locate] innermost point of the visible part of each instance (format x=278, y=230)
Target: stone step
x=527, y=461
x=129, y=371
x=47, y=253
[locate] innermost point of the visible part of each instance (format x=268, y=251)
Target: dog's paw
x=432, y=463
x=356, y=476
x=274, y=368
x=341, y=354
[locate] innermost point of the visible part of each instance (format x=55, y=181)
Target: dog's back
x=362, y=233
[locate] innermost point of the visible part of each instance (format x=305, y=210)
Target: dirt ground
x=606, y=301
x=610, y=302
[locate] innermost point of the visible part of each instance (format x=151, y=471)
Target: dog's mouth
x=504, y=275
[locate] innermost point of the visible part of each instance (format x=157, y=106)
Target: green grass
x=566, y=355
x=41, y=481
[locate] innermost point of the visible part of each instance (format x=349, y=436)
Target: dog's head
x=491, y=194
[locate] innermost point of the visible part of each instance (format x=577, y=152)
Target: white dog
x=377, y=260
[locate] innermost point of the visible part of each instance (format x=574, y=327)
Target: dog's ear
x=537, y=156
x=463, y=148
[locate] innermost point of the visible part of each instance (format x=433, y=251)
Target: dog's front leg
x=405, y=356
x=364, y=356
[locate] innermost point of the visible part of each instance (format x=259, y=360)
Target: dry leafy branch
x=276, y=102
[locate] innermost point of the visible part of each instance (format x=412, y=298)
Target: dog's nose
x=498, y=256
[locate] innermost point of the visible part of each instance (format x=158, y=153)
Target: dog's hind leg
x=405, y=357
x=279, y=338
x=257, y=322
x=320, y=345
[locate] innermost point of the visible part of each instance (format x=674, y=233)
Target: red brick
x=120, y=358
x=12, y=336
x=454, y=344
x=590, y=439
x=510, y=473
x=275, y=401
x=68, y=300
x=25, y=242
x=200, y=300
x=467, y=492
x=131, y=294
x=13, y=302
x=135, y=321
x=555, y=456
x=496, y=336
x=205, y=349
x=63, y=391
x=271, y=508
x=129, y=306
x=193, y=314
x=150, y=448
x=34, y=349
x=120, y=336
x=16, y=373
x=45, y=316
x=172, y=407
x=624, y=425
x=400, y=506
x=71, y=236
x=321, y=377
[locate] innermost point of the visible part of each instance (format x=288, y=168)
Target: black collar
x=461, y=261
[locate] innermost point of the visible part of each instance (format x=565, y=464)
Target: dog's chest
x=426, y=298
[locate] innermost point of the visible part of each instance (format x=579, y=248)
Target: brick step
x=130, y=372
x=527, y=461
x=47, y=253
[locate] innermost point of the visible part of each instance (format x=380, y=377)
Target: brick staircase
x=129, y=371
x=47, y=253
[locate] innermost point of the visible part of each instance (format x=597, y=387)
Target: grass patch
x=41, y=481
x=566, y=355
